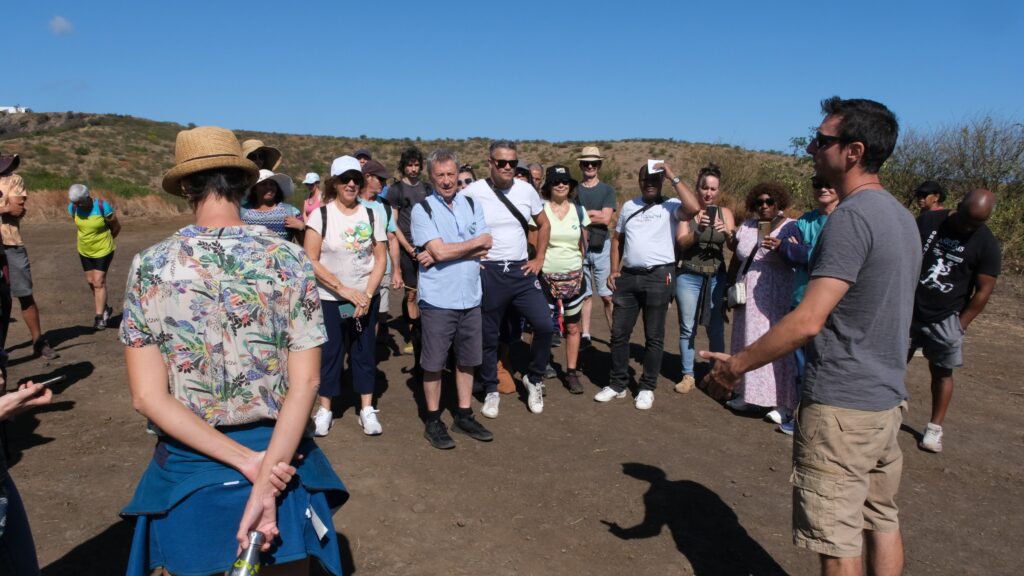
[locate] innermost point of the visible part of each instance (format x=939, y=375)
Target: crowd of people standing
x=258, y=300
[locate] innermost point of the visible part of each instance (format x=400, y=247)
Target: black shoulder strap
x=369, y=216
x=323, y=221
x=634, y=215
x=472, y=206
x=426, y=208
x=508, y=204
x=387, y=211
x=579, y=216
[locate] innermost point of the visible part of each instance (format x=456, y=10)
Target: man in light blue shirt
x=450, y=236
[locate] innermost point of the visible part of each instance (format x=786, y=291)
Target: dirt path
x=697, y=489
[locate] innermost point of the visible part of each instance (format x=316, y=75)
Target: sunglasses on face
x=818, y=184
x=505, y=163
x=824, y=140
x=346, y=178
x=589, y=164
x=764, y=202
x=465, y=182
x=560, y=183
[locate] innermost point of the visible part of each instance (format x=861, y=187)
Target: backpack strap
x=323, y=221
x=369, y=216
x=579, y=216
x=426, y=208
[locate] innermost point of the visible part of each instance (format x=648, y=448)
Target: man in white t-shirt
x=642, y=273
x=508, y=277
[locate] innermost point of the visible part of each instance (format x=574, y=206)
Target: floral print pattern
x=224, y=305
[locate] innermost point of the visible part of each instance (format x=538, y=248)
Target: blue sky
x=749, y=74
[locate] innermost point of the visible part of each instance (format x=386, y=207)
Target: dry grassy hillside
x=125, y=157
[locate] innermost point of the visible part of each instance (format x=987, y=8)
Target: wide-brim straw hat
x=590, y=153
x=205, y=148
x=284, y=182
x=9, y=162
x=271, y=154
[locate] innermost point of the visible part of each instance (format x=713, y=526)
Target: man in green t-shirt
x=600, y=202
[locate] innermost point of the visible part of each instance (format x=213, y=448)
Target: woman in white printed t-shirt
x=348, y=254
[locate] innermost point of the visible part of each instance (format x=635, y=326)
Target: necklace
x=863, y=185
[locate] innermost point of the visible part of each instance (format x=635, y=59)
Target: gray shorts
x=20, y=271
x=941, y=341
x=385, y=295
x=444, y=328
x=597, y=266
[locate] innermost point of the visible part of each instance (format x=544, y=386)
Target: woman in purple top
x=769, y=287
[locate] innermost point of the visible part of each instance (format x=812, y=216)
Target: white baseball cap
x=311, y=178
x=344, y=164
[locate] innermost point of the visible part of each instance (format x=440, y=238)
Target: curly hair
x=775, y=190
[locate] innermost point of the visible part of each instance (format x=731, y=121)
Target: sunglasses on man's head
x=505, y=163
x=764, y=202
x=590, y=163
x=466, y=182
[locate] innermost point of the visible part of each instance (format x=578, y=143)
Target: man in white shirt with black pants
x=508, y=277
x=642, y=276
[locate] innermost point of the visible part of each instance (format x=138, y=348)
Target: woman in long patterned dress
x=769, y=286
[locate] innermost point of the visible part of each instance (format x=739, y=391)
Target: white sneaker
x=322, y=421
x=368, y=420
x=932, y=441
x=608, y=393
x=490, y=408
x=535, y=395
x=644, y=400
x=777, y=416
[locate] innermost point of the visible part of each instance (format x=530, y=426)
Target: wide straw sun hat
x=271, y=155
x=205, y=148
x=590, y=153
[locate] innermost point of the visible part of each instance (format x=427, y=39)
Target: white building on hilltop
x=13, y=109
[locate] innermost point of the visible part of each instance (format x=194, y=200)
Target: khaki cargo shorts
x=846, y=472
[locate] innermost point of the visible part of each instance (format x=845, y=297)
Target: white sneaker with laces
x=535, y=395
x=322, y=421
x=644, y=400
x=932, y=441
x=490, y=408
x=608, y=393
x=777, y=415
x=368, y=420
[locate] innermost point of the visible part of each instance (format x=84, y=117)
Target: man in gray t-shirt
x=855, y=316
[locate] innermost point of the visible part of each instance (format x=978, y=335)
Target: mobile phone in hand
x=764, y=229
x=712, y=214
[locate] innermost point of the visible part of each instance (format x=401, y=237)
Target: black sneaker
x=107, y=313
x=42, y=348
x=585, y=343
x=437, y=434
x=572, y=382
x=470, y=427
x=99, y=323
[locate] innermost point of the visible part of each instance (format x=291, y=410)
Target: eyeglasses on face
x=825, y=140
x=505, y=163
x=764, y=202
x=590, y=163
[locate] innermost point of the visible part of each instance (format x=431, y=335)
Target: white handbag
x=736, y=295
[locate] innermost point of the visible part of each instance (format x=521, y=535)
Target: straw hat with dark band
x=271, y=155
x=205, y=148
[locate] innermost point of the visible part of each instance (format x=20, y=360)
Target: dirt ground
x=686, y=488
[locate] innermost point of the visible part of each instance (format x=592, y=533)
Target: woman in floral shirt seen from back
x=221, y=323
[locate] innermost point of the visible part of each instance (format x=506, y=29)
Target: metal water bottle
x=248, y=562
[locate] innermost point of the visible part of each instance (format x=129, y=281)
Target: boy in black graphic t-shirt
x=959, y=266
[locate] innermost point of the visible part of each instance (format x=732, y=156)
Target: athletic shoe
x=535, y=395
x=608, y=393
x=644, y=400
x=368, y=420
x=322, y=421
x=686, y=384
x=550, y=372
x=932, y=441
x=107, y=313
x=437, y=434
x=556, y=340
x=470, y=427
x=42, y=348
x=490, y=408
x=777, y=416
x=585, y=342
x=788, y=427
x=99, y=323
x=572, y=382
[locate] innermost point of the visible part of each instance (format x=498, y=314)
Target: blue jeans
x=687, y=296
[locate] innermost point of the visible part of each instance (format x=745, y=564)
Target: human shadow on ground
x=107, y=553
x=918, y=436
x=72, y=373
x=58, y=339
x=705, y=529
x=20, y=432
